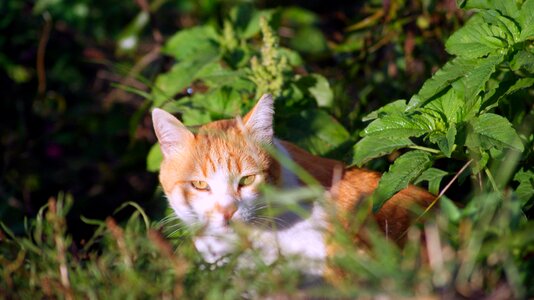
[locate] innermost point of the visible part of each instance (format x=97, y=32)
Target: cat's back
x=348, y=187
x=396, y=214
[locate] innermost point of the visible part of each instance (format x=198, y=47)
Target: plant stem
x=492, y=180
x=440, y=194
x=431, y=150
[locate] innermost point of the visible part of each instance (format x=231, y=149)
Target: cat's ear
x=172, y=134
x=259, y=121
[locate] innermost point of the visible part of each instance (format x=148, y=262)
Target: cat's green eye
x=247, y=180
x=200, y=185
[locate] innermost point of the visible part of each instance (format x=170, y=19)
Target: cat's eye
x=247, y=180
x=200, y=185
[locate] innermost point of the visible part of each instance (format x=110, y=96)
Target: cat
x=211, y=176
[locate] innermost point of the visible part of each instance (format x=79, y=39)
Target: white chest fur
x=303, y=241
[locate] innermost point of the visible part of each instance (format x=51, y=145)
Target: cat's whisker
x=264, y=221
x=167, y=222
x=170, y=234
x=189, y=228
x=258, y=207
x=174, y=230
x=168, y=219
x=169, y=216
x=174, y=226
x=260, y=222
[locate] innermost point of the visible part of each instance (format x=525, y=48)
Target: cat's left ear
x=259, y=121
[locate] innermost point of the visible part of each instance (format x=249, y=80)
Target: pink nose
x=227, y=211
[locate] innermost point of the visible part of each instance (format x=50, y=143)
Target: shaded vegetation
x=79, y=211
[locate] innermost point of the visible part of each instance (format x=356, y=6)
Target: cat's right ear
x=172, y=134
x=259, y=121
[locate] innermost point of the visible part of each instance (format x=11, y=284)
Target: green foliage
x=451, y=116
x=137, y=260
x=465, y=133
x=268, y=74
x=525, y=190
x=434, y=177
x=231, y=73
x=404, y=170
x=489, y=237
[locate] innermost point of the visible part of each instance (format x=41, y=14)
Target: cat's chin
x=213, y=247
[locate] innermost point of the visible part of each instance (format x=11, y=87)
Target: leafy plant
x=454, y=115
x=472, y=118
x=219, y=73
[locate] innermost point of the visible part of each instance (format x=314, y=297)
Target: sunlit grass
x=481, y=250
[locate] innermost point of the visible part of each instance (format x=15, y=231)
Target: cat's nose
x=227, y=211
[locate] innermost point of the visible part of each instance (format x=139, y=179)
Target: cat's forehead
x=223, y=135
x=228, y=125
x=222, y=146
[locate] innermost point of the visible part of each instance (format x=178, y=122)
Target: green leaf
x=450, y=209
x=300, y=16
x=223, y=103
x=219, y=103
x=505, y=88
x=445, y=141
x=321, y=91
x=491, y=130
x=195, y=116
x=526, y=20
x=450, y=72
x=308, y=39
x=405, y=169
x=474, y=81
x=467, y=76
x=471, y=108
x=246, y=19
x=476, y=39
x=190, y=43
x=523, y=60
x=525, y=190
x=154, y=158
x=400, y=126
x=314, y=130
x=520, y=84
x=480, y=157
x=353, y=42
x=216, y=76
x=394, y=108
x=507, y=8
x=433, y=176
x=508, y=25
x=449, y=106
x=293, y=57
x=180, y=76
x=172, y=82
x=371, y=147
x=451, y=138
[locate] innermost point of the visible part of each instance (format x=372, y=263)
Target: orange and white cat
x=212, y=176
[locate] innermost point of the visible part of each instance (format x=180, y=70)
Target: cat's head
x=212, y=176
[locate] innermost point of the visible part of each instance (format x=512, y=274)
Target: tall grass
x=482, y=249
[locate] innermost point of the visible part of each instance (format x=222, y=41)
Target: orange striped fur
x=231, y=150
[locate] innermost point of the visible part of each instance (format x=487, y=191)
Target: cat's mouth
x=214, y=228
